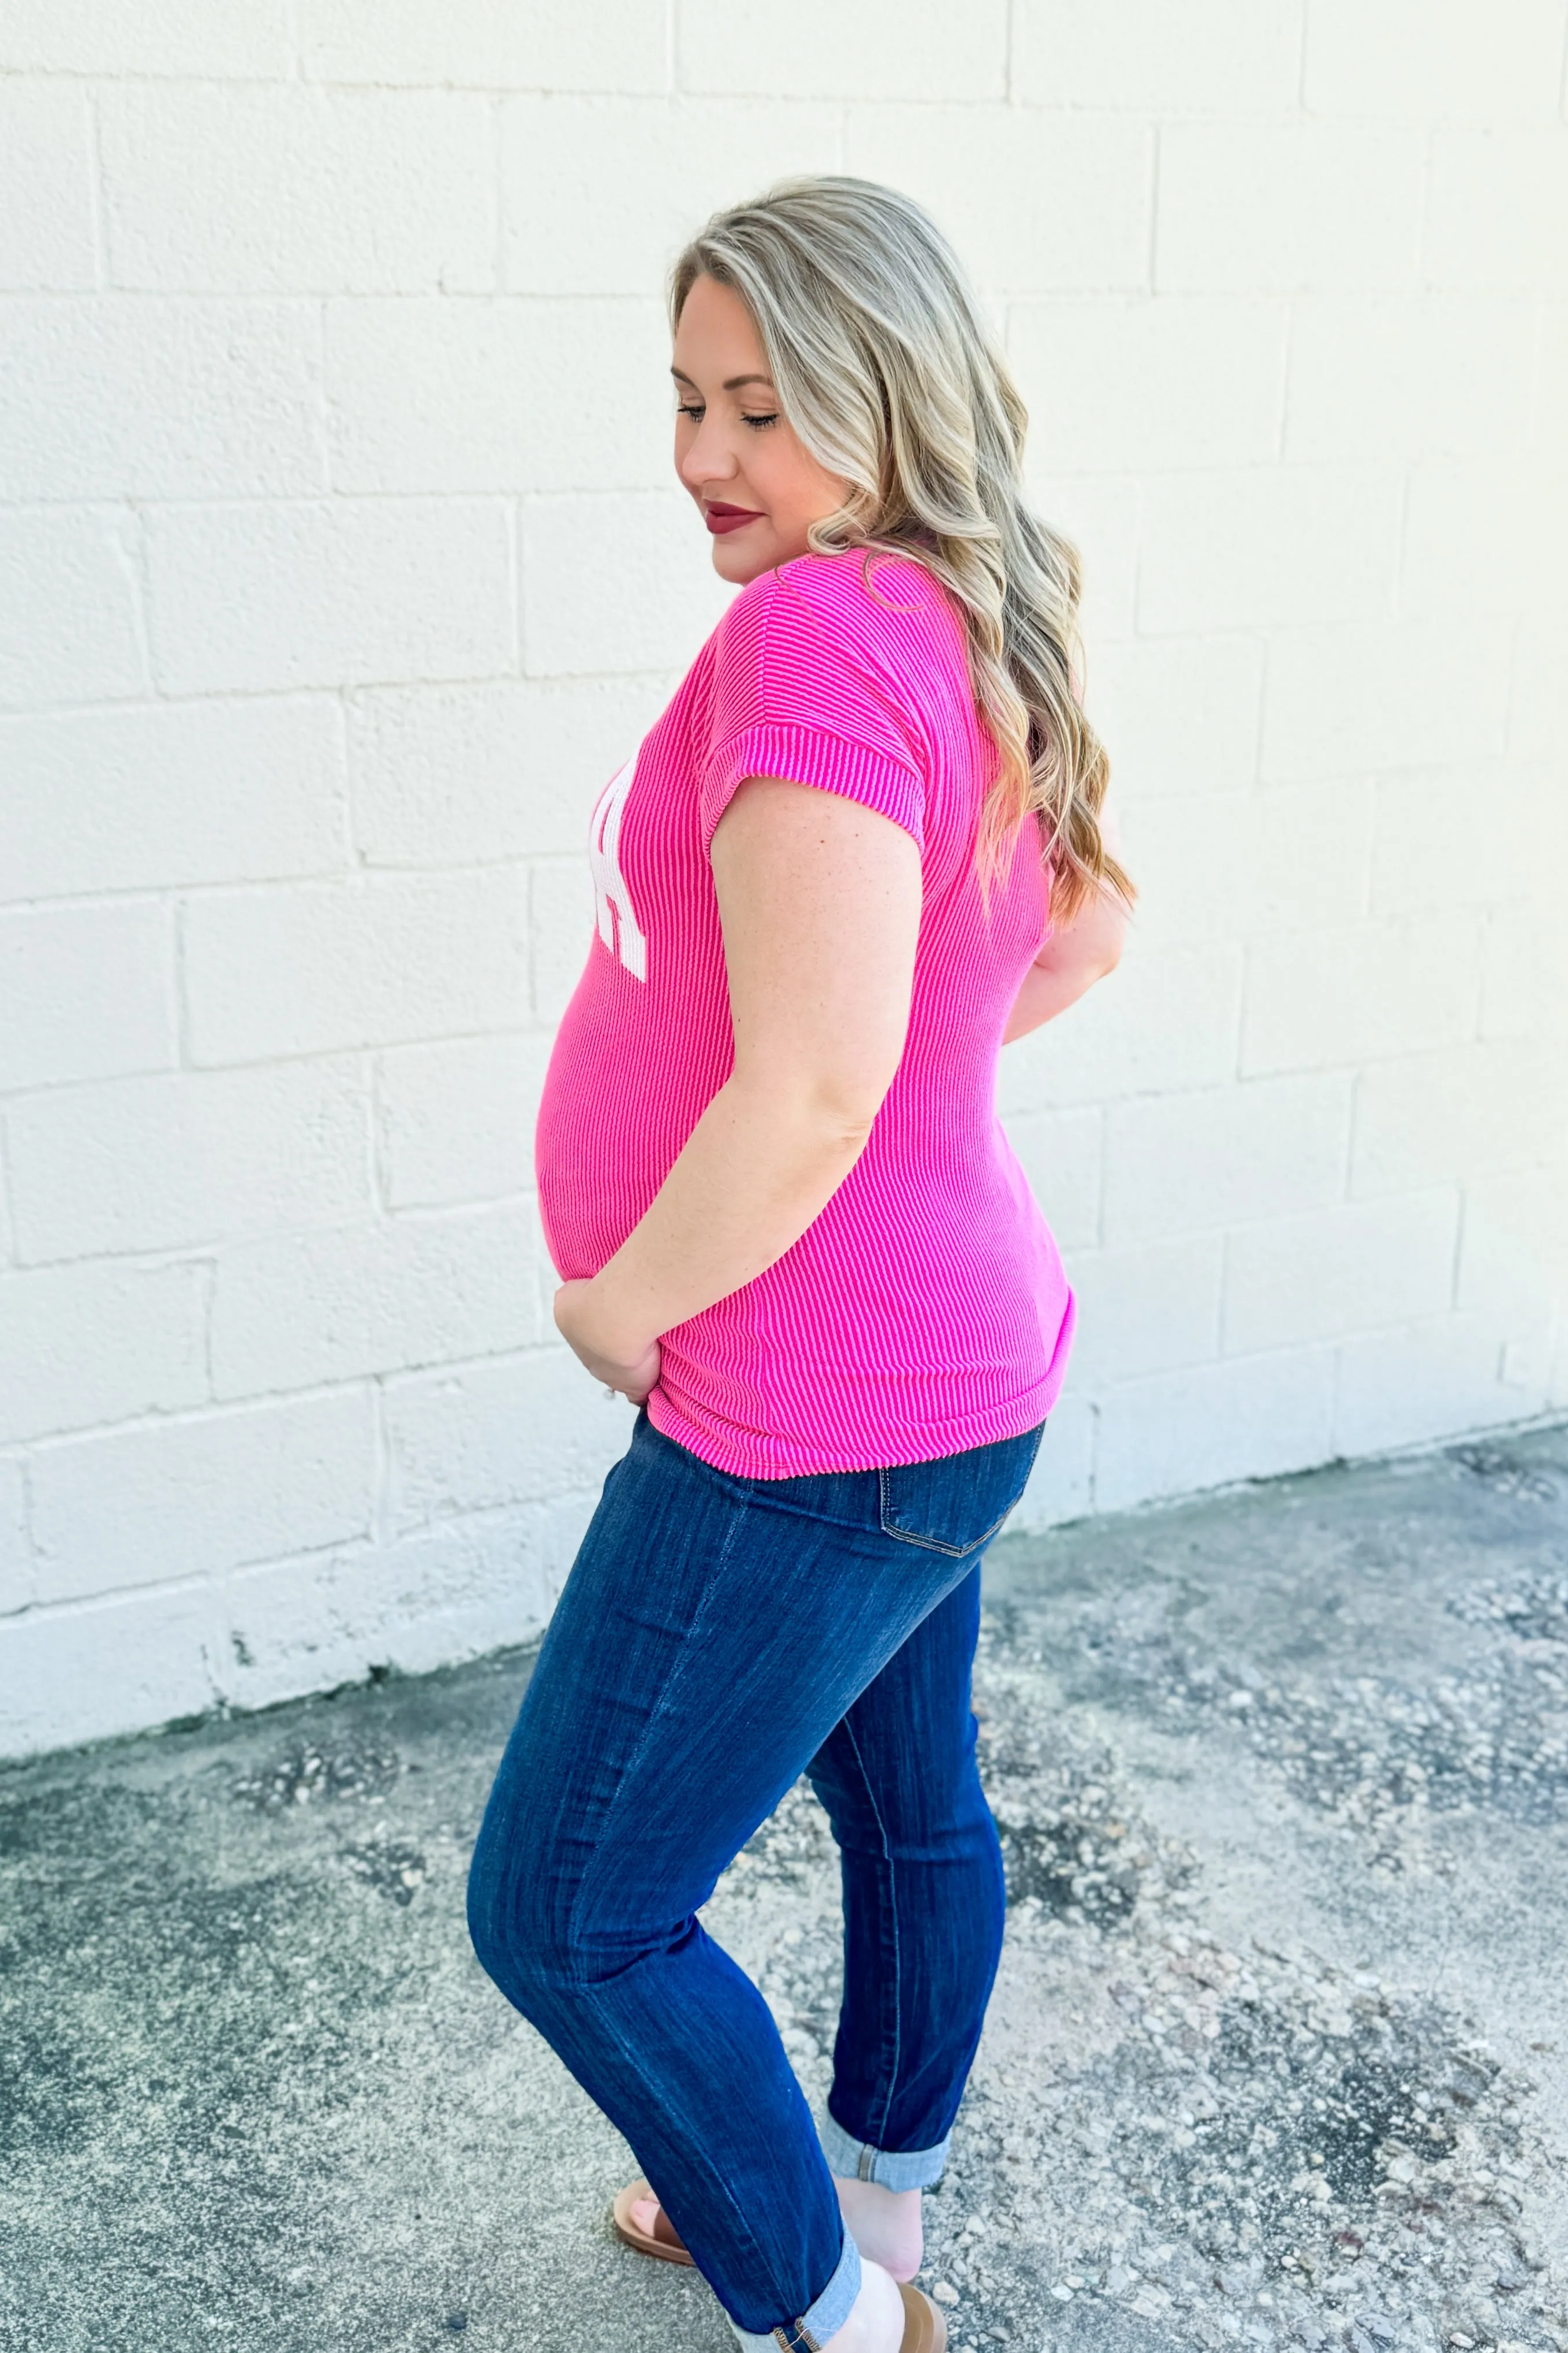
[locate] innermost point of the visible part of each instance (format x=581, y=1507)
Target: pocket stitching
x=935, y=1543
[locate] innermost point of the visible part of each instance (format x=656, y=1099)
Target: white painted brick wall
x=339, y=563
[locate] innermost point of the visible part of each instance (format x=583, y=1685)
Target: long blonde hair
x=886, y=370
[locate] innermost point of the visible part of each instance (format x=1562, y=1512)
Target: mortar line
x=97, y=208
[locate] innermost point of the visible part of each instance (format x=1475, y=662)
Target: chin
x=739, y=564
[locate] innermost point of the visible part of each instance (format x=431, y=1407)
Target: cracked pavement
x=1278, y=2054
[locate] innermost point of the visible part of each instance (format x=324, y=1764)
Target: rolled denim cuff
x=824, y=2318
x=859, y=2161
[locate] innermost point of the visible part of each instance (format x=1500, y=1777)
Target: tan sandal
x=925, y=2324
x=664, y=2242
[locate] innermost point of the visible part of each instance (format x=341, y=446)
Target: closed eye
x=697, y=412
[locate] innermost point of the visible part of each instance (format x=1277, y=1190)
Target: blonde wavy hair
x=885, y=368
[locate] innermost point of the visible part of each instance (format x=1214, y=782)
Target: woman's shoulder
x=854, y=600
x=867, y=586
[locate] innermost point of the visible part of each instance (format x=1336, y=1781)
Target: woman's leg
x=924, y=1908
x=705, y=1646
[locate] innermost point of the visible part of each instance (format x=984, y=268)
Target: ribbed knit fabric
x=925, y=1310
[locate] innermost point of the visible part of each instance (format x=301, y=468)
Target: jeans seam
x=898, y=1946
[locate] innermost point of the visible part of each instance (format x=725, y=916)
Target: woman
x=791, y=1232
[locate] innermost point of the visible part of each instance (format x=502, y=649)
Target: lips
x=721, y=518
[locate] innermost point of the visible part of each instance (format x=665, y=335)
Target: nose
x=706, y=459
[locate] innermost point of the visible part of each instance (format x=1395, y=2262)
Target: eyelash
x=757, y=424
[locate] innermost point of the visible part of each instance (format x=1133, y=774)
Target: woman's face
x=758, y=490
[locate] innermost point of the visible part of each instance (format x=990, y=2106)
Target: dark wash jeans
x=717, y=1637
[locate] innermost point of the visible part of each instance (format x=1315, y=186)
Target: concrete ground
x=1278, y=2055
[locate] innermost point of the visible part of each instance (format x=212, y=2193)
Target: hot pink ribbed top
x=925, y=1310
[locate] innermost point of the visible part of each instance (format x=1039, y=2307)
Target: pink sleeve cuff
x=812, y=756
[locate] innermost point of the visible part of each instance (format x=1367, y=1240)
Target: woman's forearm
x=1047, y=990
x=1070, y=964
x=755, y=1170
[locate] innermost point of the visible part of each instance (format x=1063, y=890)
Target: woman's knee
x=519, y=1932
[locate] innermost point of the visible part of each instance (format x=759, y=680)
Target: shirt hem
x=760, y=1454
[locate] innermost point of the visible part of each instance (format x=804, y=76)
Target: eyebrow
x=730, y=383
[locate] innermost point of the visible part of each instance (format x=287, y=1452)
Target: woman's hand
x=610, y=1355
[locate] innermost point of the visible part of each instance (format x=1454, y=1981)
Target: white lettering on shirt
x=619, y=927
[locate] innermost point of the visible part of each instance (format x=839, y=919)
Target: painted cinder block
x=1513, y=1255
x=1246, y=547
x=1150, y=1308
x=1167, y=1018
x=1347, y=1269
x=178, y=38
x=513, y=1429
x=70, y=613
x=498, y=393
x=1358, y=993
x=1240, y=56
x=667, y=596
x=455, y=1119
x=1154, y=381
x=423, y=1288
x=371, y=960
x=1061, y=1153
x=451, y=776
x=1524, y=981
x=561, y=926
x=389, y=192
x=98, y=1341
x=1430, y=1379
x=1413, y=59
x=189, y=1157
x=620, y=45
x=1179, y=715
x=1497, y=210
x=1272, y=207
x=1251, y=862
x=669, y=163
x=1340, y=699
x=346, y=592
x=1272, y=1148
x=150, y=795
x=1467, y=1110
x=1491, y=834
x=86, y=992
x=93, y=1670
x=125, y=396
x=1538, y=683
x=360, y=774
x=1241, y=1417
x=1407, y=375
x=1484, y=535
x=191, y=1495
x=1550, y=405
x=443, y=1594
x=16, y=1588
x=48, y=236
x=1035, y=201
x=883, y=48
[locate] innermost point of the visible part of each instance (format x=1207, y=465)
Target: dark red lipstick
x=719, y=518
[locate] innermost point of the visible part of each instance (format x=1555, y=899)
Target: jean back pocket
x=957, y=1502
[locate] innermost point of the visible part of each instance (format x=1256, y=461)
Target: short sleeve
x=798, y=693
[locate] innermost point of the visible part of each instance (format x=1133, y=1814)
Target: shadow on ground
x=1278, y=2055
